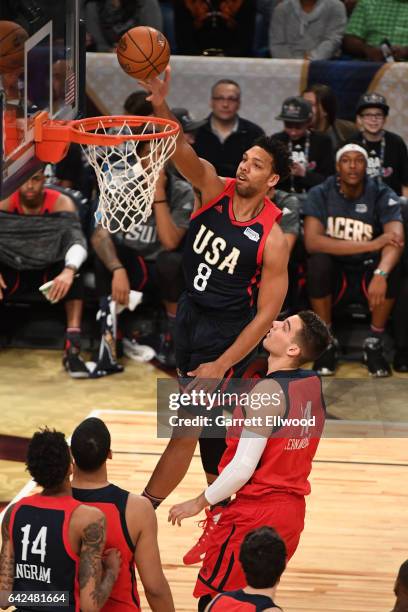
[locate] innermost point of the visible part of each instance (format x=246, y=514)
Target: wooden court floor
x=355, y=536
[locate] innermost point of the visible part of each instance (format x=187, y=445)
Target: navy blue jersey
x=223, y=256
x=239, y=600
x=361, y=219
x=43, y=558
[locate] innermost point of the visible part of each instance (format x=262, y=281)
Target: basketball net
x=127, y=173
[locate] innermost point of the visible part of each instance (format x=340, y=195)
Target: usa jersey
x=240, y=601
x=112, y=501
x=287, y=459
x=223, y=256
x=43, y=557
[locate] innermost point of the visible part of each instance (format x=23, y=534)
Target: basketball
x=143, y=52
x=12, y=38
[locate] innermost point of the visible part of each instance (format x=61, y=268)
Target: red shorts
x=221, y=570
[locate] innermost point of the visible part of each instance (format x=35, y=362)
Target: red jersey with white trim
x=112, y=501
x=48, y=205
x=287, y=459
x=223, y=256
x=43, y=557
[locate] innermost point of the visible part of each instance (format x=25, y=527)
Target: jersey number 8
x=202, y=276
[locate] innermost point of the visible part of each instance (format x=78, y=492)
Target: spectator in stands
x=373, y=22
x=399, y=314
x=324, y=107
x=136, y=104
x=107, y=20
x=131, y=524
x=387, y=152
x=354, y=234
x=188, y=124
x=289, y=204
x=41, y=240
x=219, y=27
x=263, y=561
x=312, y=152
x=401, y=589
x=225, y=136
x=309, y=29
x=350, y=6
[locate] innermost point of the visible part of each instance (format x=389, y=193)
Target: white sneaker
x=137, y=352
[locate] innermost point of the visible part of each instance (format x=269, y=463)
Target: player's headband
x=351, y=147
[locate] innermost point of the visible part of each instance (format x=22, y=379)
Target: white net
x=127, y=173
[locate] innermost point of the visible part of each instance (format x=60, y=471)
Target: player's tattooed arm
x=105, y=249
x=97, y=570
x=6, y=558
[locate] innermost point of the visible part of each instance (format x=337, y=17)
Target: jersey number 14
x=39, y=544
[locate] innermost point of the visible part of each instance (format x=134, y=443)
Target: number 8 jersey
x=43, y=558
x=223, y=256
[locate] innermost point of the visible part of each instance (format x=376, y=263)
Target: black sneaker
x=166, y=354
x=401, y=360
x=74, y=364
x=373, y=357
x=326, y=364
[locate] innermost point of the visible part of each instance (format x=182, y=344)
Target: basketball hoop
x=127, y=154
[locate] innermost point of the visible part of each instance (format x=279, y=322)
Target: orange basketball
x=143, y=52
x=12, y=38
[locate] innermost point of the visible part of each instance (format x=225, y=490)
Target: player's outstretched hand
x=157, y=88
x=189, y=508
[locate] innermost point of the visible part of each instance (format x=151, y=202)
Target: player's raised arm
x=198, y=171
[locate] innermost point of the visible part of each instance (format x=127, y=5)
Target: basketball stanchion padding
x=127, y=154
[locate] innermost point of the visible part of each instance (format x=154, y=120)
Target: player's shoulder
x=139, y=507
x=5, y=523
x=4, y=204
x=84, y=516
x=64, y=204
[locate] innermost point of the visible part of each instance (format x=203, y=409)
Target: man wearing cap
x=354, y=234
x=387, y=152
x=312, y=152
x=225, y=136
x=189, y=125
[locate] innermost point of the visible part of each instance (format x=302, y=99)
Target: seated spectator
x=289, y=204
x=312, y=152
x=324, y=107
x=373, y=22
x=136, y=104
x=188, y=124
x=354, y=234
x=225, y=136
x=263, y=560
x=350, y=6
x=107, y=20
x=219, y=27
x=41, y=240
x=401, y=589
x=387, y=152
x=147, y=257
x=309, y=29
x=131, y=524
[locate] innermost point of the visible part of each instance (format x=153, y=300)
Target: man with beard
x=235, y=265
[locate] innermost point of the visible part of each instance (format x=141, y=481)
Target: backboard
x=50, y=77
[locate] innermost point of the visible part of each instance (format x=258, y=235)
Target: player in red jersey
x=235, y=266
x=269, y=464
x=131, y=521
x=52, y=543
x=263, y=560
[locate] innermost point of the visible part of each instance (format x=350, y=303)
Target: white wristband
x=75, y=256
